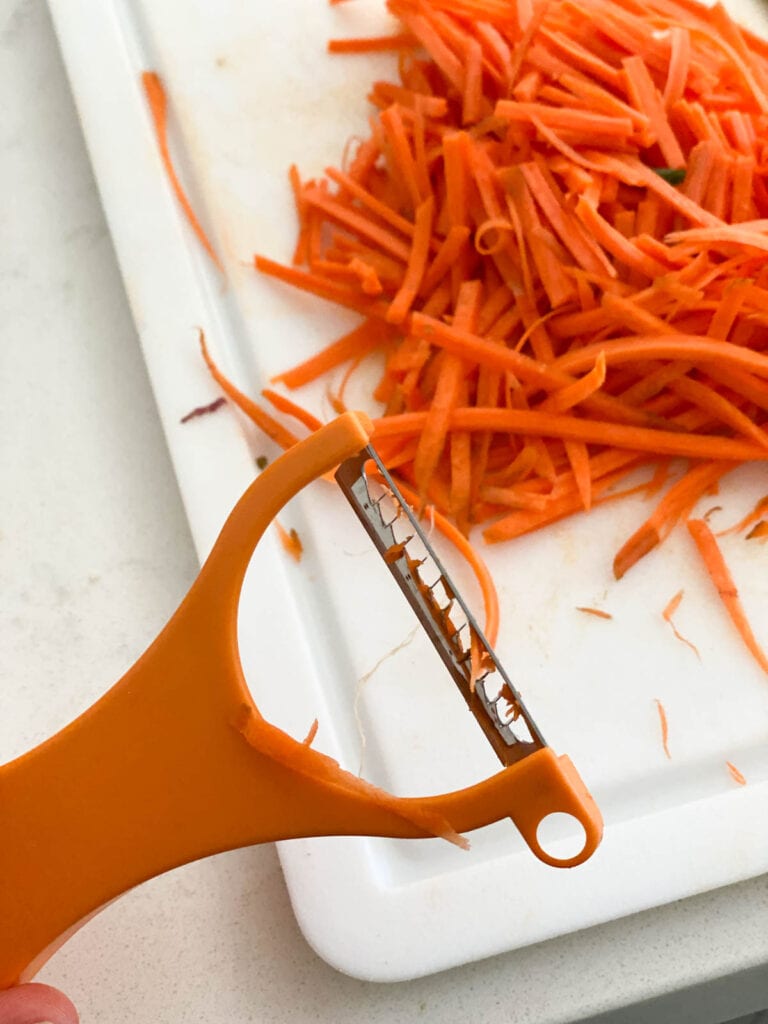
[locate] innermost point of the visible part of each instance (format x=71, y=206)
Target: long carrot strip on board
x=158, y=107
x=720, y=575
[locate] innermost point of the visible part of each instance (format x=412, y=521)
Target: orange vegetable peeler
x=175, y=762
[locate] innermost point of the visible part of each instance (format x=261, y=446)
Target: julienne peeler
x=175, y=762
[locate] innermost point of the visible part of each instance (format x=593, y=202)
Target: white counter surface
x=94, y=555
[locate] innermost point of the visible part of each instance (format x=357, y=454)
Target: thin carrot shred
x=308, y=739
x=735, y=774
x=290, y=541
x=669, y=610
x=664, y=727
x=597, y=612
x=279, y=434
x=720, y=575
x=373, y=44
x=158, y=106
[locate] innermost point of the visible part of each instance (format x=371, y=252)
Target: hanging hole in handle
x=561, y=836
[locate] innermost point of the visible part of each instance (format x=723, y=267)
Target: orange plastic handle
x=175, y=762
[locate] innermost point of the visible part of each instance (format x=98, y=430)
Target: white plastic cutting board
x=252, y=90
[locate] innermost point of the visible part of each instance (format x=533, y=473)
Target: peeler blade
x=472, y=663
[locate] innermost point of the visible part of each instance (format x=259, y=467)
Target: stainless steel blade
x=400, y=540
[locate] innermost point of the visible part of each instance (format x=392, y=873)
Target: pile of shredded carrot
x=556, y=236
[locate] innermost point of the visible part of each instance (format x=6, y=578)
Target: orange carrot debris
x=735, y=773
x=759, y=531
x=664, y=727
x=290, y=541
x=720, y=575
x=598, y=612
x=309, y=738
x=669, y=610
x=158, y=106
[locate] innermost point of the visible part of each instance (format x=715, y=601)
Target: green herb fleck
x=262, y=462
x=674, y=175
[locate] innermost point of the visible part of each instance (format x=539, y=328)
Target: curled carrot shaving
x=669, y=610
x=664, y=727
x=373, y=44
x=759, y=531
x=720, y=575
x=158, y=106
x=735, y=773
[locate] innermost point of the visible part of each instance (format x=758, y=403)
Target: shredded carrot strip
x=597, y=612
x=284, y=404
x=664, y=727
x=669, y=610
x=735, y=774
x=373, y=44
x=720, y=575
x=158, y=106
x=676, y=503
x=284, y=438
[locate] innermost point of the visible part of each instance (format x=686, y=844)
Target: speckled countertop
x=94, y=555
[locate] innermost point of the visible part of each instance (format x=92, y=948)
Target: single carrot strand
x=373, y=44
x=417, y=262
x=284, y=438
x=308, y=739
x=676, y=503
x=720, y=575
x=158, y=106
x=735, y=773
x=290, y=408
x=514, y=421
x=597, y=612
x=669, y=610
x=664, y=727
x=357, y=342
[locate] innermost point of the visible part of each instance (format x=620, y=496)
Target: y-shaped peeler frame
x=175, y=763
